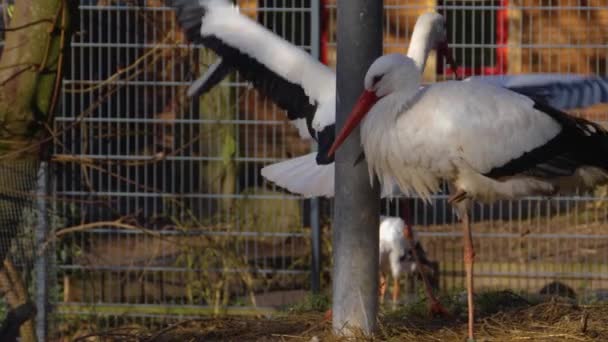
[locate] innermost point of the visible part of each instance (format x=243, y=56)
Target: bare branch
x=33, y=23
x=117, y=224
x=16, y=74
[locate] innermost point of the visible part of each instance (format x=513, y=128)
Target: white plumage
x=508, y=81
x=224, y=21
x=397, y=257
x=310, y=179
x=394, y=249
x=486, y=141
x=454, y=131
x=306, y=88
x=562, y=91
x=302, y=175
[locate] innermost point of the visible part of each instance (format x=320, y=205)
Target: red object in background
x=502, y=36
x=324, y=31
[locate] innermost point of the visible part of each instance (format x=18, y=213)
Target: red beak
x=362, y=107
x=444, y=51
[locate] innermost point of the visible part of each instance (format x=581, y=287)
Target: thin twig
x=28, y=64
x=108, y=334
x=87, y=226
x=47, y=49
x=121, y=71
x=62, y=45
x=16, y=74
x=93, y=225
x=169, y=328
x=36, y=22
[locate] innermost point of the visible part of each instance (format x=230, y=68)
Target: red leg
x=382, y=288
x=327, y=316
x=469, y=258
x=395, y=291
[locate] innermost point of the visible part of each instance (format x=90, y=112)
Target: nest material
x=550, y=321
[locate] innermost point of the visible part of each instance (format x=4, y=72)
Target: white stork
x=399, y=251
x=306, y=88
x=286, y=74
x=290, y=77
x=486, y=141
x=294, y=80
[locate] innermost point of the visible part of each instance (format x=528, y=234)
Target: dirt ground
x=502, y=316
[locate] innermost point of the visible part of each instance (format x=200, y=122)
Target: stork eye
x=377, y=79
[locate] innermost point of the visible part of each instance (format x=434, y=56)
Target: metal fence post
x=315, y=267
x=41, y=263
x=357, y=204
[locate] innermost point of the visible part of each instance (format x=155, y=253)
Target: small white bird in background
x=401, y=253
x=397, y=255
x=487, y=142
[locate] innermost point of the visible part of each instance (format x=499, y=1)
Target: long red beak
x=444, y=50
x=362, y=107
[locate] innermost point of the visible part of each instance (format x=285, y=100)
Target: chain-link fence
x=164, y=214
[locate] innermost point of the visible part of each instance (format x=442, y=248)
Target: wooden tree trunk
x=28, y=67
x=30, y=71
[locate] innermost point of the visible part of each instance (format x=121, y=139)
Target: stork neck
x=404, y=81
x=383, y=116
x=419, y=48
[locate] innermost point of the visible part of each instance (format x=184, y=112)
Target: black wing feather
x=579, y=143
x=218, y=73
x=287, y=95
x=325, y=139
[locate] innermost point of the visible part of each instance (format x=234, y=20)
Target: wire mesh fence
x=168, y=214
x=161, y=211
x=528, y=244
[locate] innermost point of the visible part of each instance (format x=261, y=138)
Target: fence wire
x=164, y=214
x=168, y=214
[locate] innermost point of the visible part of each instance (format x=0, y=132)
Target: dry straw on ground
x=516, y=320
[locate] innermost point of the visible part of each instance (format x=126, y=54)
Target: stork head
x=389, y=74
x=430, y=32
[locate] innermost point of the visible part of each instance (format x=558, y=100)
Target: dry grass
x=503, y=316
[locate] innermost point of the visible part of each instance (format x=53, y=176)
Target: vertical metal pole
x=315, y=28
x=41, y=263
x=315, y=267
x=357, y=204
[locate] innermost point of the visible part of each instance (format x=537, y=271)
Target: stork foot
x=437, y=310
x=457, y=197
x=327, y=316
